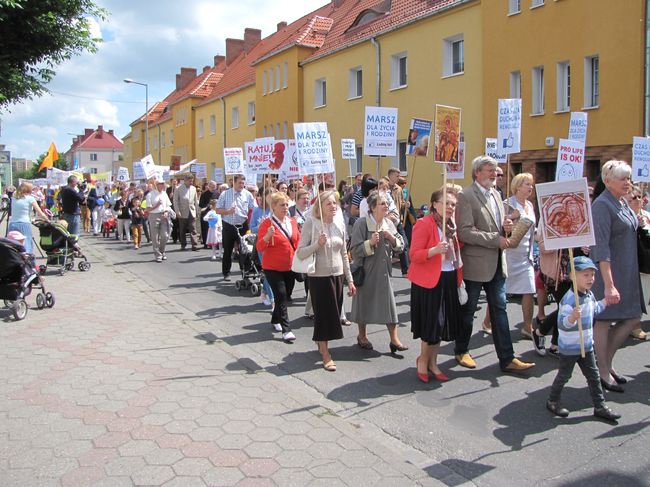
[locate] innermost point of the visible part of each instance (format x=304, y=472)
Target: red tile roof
x=97, y=139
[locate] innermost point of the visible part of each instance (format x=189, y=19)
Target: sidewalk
x=116, y=385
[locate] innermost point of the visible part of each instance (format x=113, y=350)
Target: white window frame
x=162, y=139
x=264, y=82
x=234, y=118
x=171, y=137
x=200, y=129
x=251, y=113
x=355, y=83
x=278, y=81
x=449, y=67
x=285, y=80
x=592, y=82
x=320, y=92
x=537, y=93
x=286, y=130
x=536, y=3
x=514, y=7
x=265, y=131
x=399, y=71
x=270, y=81
x=93, y=157
x=278, y=130
x=399, y=161
x=213, y=124
x=563, y=90
x=515, y=84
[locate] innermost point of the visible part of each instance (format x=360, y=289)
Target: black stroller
x=61, y=247
x=18, y=276
x=249, y=263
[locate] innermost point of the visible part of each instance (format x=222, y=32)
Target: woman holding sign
x=618, y=281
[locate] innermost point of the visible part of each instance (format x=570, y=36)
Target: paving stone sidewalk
x=118, y=386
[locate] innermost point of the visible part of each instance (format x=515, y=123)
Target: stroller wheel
x=255, y=289
x=8, y=303
x=84, y=266
x=42, y=269
x=40, y=300
x=20, y=309
x=69, y=265
x=238, y=285
x=49, y=300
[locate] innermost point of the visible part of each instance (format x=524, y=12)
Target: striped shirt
x=244, y=202
x=568, y=334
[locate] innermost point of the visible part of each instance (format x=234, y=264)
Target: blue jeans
x=495, y=291
x=74, y=221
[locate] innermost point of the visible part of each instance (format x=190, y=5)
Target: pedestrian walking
x=159, y=210
x=186, y=204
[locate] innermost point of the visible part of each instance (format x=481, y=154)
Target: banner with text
x=491, y=151
x=641, y=159
x=578, y=127
x=219, y=175
x=123, y=174
x=289, y=170
x=348, y=149
x=570, y=160
x=264, y=156
x=417, y=142
x=233, y=160
x=313, y=148
x=509, y=126
x=380, y=136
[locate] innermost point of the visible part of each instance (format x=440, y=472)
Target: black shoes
x=611, y=387
x=619, y=379
x=606, y=413
x=538, y=343
x=558, y=410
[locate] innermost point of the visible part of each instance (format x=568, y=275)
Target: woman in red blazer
x=278, y=238
x=435, y=275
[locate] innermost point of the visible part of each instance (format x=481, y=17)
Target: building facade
x=97, y=150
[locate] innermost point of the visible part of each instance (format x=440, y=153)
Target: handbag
x=298, y=265
x=462, y=294
x=643, y=249
x=359, y=275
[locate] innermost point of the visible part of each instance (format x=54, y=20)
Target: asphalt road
x=490, y=428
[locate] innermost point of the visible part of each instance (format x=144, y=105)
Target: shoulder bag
x=302, y=266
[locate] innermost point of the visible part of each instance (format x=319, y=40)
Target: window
x=515, y=84
x=162, y=139
x=399, y=161
x=355, y=85
x=277, y=78
x=514, y=6
x=398, y=76
x=234, y=122
x=271, y=130
x=264, y=83
x=278, y=133
x=270, y=81
x=536, y=3
x=454, y=55
x=200, y=129
x=593, y=169
x=92, y=170
x=251, y=112
x=171, y=136
x=320, y=95
x=136, y=136
x=286, y=129
x=265, y=131
x=563, y=86
x=155, y=141
x=285, y=80
x=538, y=90
x=93, y=157
x=592, y=82
x=213, y=124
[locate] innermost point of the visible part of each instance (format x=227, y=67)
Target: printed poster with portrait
x=447, y=134
x=417, y=143
x=565, y=214
x=456, y=170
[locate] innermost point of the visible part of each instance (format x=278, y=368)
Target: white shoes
x=289, y=336
x=214, y=257
x=277, y=327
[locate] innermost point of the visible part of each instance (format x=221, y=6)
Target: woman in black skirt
x=435, y=275
x=323, y=235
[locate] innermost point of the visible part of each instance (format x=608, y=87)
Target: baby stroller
x=61, y=248
x=18, y=276
x=250, y=265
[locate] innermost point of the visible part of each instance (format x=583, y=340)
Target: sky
x=143, y=40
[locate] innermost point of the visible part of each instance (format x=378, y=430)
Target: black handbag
x=643, y=250
x=359, y=274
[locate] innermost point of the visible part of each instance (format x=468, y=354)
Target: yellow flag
x=48, y=161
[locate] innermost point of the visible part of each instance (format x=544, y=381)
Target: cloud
x=145, y=41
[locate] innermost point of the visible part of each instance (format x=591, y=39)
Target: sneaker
x=164, y=257
x=226, y=277
x=158, y=259
x=277, y=327
x=214, y=257
x=538, y=343
x=558, y=410
x=289, y=336
x=553, y=352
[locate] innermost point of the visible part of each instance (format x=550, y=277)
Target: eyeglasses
x=499, y=175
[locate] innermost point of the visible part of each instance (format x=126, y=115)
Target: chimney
x=178, y=82
x=100, y=131
x=206, y=68
x=111, y=132
x=234, y=48
x=337, y=3
x=88, y=133
x=251, y=38
x=281, y=25
x=218, y=59
x=187, y=75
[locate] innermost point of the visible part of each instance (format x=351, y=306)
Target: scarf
x=453, y=253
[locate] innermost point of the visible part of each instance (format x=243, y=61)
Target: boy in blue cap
x=569, y=341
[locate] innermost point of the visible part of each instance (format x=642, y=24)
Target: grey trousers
x=159, y=228
x=589, y=370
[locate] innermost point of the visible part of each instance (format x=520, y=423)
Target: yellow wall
x=209, y=148
x=567, y=31
x=127, y=152
x=426, y=87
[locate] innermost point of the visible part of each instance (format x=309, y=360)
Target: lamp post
x=146, y=110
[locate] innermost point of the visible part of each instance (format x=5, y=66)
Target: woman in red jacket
x=277, y=238
x=435, y=275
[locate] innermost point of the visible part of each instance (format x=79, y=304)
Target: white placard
x=148, y=166
x=200, y=170
x=565, y=214
x=138, y=171
x=578, y=127
x=219, y=174
x=509, y=126
x=491, y=151
x=380, y=132
x=641, y=159
x=260, y=156
x=123, y=174
x=233, y=160
x=161, y=173
x=348, y=149
x=570, y=160
x=100, y=188
x=313, y=148
x=289, y=170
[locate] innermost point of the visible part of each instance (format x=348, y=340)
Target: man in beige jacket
x=186, y=204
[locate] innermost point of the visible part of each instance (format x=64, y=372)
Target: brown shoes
x=466, y=360
x=517, y=366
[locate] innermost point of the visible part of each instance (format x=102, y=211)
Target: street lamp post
x=146, y=110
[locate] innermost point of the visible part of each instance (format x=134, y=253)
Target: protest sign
x=417, y=143
x=456, y=170
x=264, y=155
x=175, y=164
x=138, y=171
x=380, y=135
x=491, y=151
x=565, y=214
x=199, y=169
x=570, y=160
x=641, y=159
x=100, y=188
x=289, y=169
x=123, y=174
x=509, y=126
x=313, y=148
x=219, y=175
x=578, y=127
x=102, y=176
x=148, y=166
x=348, y=149
x=161, y=173
x=233, y=160
x=447, y=135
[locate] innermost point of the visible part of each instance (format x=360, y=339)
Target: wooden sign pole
x=408, y=191
x=577, y=297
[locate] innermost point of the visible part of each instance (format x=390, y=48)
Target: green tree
x=36, y=36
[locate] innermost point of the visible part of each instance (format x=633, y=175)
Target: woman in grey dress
x=619, y=280
x=374, y=241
